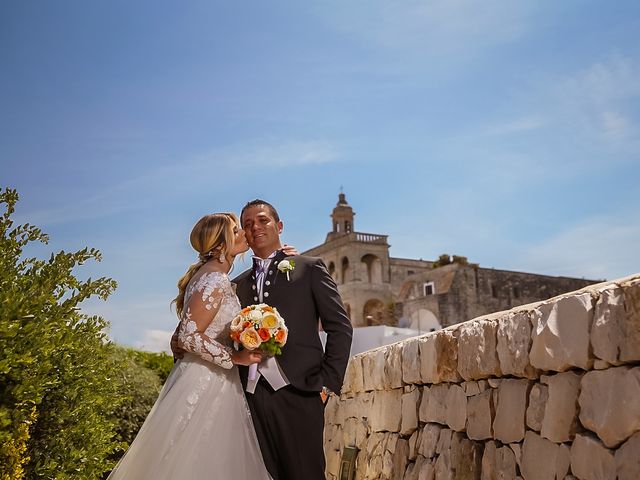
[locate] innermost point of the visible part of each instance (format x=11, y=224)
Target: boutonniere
x=286, y=266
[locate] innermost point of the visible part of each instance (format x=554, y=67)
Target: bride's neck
x=215, y=265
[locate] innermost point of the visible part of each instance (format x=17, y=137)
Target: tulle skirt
x=199, y=428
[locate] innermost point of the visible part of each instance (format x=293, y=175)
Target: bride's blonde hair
x=211, y=237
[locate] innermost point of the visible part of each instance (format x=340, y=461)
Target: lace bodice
x=210, y=304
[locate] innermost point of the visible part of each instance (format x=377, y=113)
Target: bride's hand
x=289, y=250
x=246, y=357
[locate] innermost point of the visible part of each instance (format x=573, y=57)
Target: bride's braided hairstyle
x=211, y=237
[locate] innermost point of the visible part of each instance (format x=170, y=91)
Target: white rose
x=255, y=315
x=284, y=266
x=236, y=323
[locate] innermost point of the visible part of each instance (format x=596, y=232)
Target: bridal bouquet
x=259, y=326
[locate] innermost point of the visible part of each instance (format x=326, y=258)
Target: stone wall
x=543, y=391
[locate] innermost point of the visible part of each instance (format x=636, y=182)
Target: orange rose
x=235, y=336
x=267, y=308
x=250, y=339
x=245, y=310
x=246, y=324
x=264, y=334
x=281, y=336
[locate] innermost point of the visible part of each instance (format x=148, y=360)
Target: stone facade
x=546, y=391
x=382, y=290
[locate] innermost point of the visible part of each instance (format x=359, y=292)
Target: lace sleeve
x=202, y=307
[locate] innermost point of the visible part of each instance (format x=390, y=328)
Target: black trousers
x=289, y=424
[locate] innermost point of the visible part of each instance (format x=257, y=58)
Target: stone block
x=480, y=415
x=411, y=361
x=444, y=441
x=607, y=332
x=393, y=366
x=477, y=357
x=439, y=357
x=386, y=411
x=414, y=445
x=511, y=406
x=400, y=459
x=513, y=344
x=537, y=402
x=630, y=347
x=465, y=458
x=433, y=407
x=609, y=403
x=456, y=408
x=560, y=414
x=410, y=405
x=627, y=459
x=354, y=378
x=560, y=333
x=563, y=460
x=538, y=457
x=426, y=471
x=429, y=440
x=590, y=460
x=332, y=467
x=498, y=463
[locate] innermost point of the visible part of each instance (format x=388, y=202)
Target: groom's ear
x=280, y=225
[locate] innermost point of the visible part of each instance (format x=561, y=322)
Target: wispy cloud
x=155, y=341
x=597, y=248
x=431, y=29
x=191, y=175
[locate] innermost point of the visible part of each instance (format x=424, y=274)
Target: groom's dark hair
x=257, y=201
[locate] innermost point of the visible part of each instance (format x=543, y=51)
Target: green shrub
x=57, y=394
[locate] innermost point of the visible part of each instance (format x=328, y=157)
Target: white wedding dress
x=200, y=426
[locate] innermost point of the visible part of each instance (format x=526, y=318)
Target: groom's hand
x=177, y=351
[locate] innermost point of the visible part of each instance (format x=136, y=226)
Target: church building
x=422, y=295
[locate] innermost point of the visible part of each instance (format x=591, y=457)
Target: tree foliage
x=57, y=394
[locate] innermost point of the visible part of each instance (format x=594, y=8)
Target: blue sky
x=508, y=132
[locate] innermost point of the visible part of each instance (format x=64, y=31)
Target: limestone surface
x=608, y=330
x=439, y=357
x=456, y=408
x=411, y=361
x=393, y=366
x=386, y=411
x=630, y=347
x=511, y=407
x=560, y=413
x=513, y=341
x=433, y=407
x=590, y=460
x=560, y=333
x=627, y=459
x=477, y=357
x=410, y=403
x=538, y=457
x=537, y=402
x=480, y=415
x=498, y=463
x=610, y=403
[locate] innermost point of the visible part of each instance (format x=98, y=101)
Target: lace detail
x=204, y=326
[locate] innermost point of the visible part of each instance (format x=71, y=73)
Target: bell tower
x=342, y=218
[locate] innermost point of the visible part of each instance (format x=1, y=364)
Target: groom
x=284, y=398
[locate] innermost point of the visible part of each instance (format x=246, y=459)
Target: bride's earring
x=221, y=258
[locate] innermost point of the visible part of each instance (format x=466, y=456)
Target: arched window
x=332, y=270
x=347, y=226
x=374, y=268
x=373, y=312
x=345, y=269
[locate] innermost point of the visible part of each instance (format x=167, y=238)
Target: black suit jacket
x=309, y=296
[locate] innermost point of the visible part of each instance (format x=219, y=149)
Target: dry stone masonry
x=546, y=391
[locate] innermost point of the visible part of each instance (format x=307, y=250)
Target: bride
x=200, y=426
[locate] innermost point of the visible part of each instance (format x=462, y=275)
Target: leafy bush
x=57, y=394
x=141, y=386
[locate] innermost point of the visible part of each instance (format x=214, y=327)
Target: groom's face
x=261, y=230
